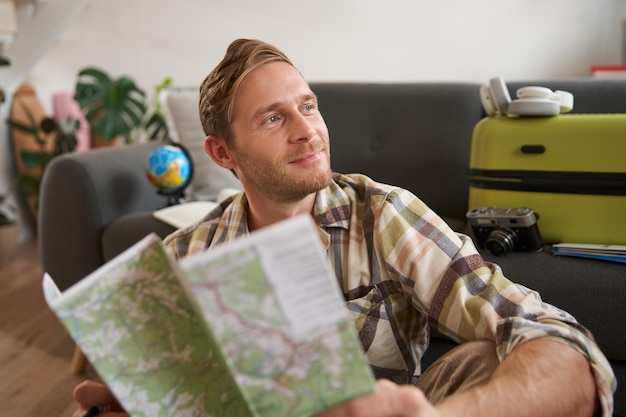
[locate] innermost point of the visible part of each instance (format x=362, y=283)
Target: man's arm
x=539, y=378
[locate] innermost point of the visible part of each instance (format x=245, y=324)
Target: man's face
x=279, y=139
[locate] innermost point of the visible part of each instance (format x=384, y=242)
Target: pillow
x=180, y=109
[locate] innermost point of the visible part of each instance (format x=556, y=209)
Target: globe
x=170, y=168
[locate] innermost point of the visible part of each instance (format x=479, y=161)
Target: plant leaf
x=112, y=107
x=22, y=127
x=29, y=184
x=33, y=159
x=156, y=127
x=33, y=122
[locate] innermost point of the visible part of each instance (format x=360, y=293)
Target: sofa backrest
x=416, y=136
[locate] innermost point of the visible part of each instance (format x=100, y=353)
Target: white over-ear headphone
x=531, y=100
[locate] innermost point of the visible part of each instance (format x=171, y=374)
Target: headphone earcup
x=487, y=101
x=566, y=100
x=500, y=95
x=534, y=107
x=541, y=101
x=530, y=101
x=532, y=91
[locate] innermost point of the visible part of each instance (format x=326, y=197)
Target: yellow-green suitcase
x=570, y=169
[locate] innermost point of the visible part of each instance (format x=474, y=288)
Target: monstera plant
x=117, y=107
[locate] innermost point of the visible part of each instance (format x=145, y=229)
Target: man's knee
x=467, y=365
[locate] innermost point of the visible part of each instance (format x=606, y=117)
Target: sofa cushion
x=416, y=136
x=180, y=108
x=586, y=288
x=127, y=230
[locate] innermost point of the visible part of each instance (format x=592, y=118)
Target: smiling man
x=277, y=144
x=402, y=269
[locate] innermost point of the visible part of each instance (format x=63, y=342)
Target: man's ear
x=219, y=151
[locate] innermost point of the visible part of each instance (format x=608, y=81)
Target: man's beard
x=275, y=182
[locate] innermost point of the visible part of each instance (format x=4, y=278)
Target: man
x=402, y=269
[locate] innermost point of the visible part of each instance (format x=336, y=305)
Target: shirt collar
x=332, y=206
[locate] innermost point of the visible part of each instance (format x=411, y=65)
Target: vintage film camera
x=502, y=230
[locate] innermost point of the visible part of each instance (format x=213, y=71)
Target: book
x=608, y=71
x=187, y=213
x=255, y=327
x=184, y=214
x=616, y=253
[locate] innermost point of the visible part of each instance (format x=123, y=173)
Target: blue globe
x=169, y=168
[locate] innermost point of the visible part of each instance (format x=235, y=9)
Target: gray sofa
x=95, y=204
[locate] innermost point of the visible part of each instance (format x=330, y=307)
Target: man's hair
x=218, y=90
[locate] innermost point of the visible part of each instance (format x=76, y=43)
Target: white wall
x=334, y=40
x=370, y=40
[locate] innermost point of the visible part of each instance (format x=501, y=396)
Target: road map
x=252, y=328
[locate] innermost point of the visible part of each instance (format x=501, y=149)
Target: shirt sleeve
x=467, y=298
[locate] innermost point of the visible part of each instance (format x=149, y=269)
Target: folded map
x=256, y=327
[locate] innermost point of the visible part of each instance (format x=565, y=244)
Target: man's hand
x=90, y=393
x=389, y=400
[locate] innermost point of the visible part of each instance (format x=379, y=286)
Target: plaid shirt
x=403, y=271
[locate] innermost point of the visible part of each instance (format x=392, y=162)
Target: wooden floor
x=35, y=350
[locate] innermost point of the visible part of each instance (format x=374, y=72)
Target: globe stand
x=173, y=198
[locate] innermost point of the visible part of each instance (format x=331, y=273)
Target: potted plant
x=117, y=107
x=8, y=225
x=36, y=159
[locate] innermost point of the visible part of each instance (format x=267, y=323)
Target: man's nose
x=302, y=127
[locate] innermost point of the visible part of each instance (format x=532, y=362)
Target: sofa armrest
x=81, y=193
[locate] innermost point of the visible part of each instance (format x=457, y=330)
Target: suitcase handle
x=533, y=149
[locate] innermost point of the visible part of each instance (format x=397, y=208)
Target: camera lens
x=500, y=242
